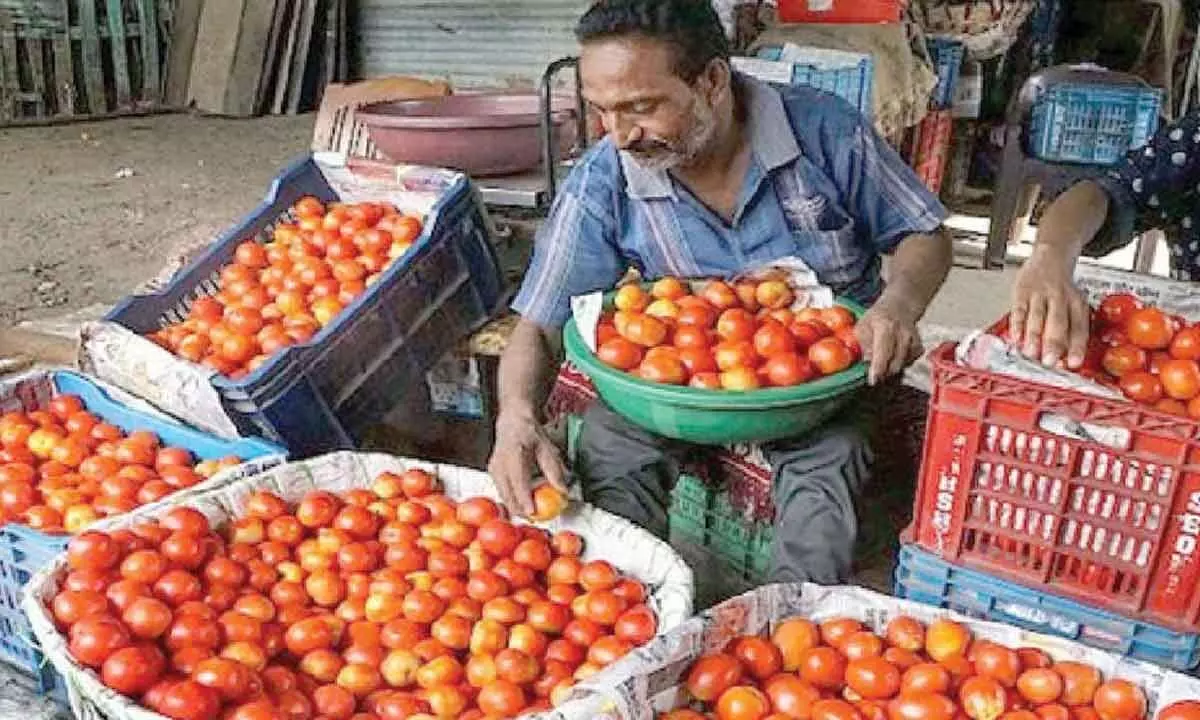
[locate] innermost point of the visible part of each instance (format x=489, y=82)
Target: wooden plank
x=37, y=72
x=64, y=65
x=308, y=13
x=212, y=58
x=328, y=49
x=151, y=90
x=120, y=56
x=285, y=63
x=271, y=58
x=93, y=70
x=179, y=55
x=246, y=74
x=10, y=83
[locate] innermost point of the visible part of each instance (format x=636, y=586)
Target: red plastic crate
x=1115, y=529
x=841, y=11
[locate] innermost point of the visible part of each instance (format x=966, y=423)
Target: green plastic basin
x=717, y=417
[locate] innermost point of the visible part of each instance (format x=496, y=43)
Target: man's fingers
x=1035, y=323
x=882, y=345
x=1016, y=318
x=865, y=332
x=1058, y=327
x=551, y=465
x=1077, y=342
x=512, y=479
x=904, y=349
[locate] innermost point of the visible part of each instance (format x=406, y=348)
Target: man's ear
x=715, y=81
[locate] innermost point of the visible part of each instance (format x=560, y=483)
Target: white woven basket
x=631, y=549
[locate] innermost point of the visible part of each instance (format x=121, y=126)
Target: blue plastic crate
x=1092, y=124
x=23, y=551
x=947, y=56
x=925, y=578
x=851, y=79
x=325, y=394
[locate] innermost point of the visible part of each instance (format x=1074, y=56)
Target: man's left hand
x=889, y=338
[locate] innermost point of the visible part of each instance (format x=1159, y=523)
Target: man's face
x=649, y=111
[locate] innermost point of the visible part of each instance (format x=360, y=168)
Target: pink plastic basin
x=480, y=134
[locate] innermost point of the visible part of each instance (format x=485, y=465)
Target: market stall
x=211, y=519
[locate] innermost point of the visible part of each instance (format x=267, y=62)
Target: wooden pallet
x=90, y=58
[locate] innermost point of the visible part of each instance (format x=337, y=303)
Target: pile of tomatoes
x=739, y=336
x=283, y=292
x=63, y=468
x=839, y=670
x=1150, y=356
x=380, y=603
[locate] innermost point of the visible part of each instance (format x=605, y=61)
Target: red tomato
x=1186, y=344
x=873, y=678
x=830, y=356
x=620, y=353
x=1150, y=329
x=1119, y=700
x=773, y=339
x=1122, y=359
x=94, y=638
x=133, y=670
x=1142, y=387
x=712, y=675
x=1180, y=379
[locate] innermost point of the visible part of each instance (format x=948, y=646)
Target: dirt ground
x=88, y=211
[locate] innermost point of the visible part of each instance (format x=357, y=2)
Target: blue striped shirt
x=822, y=185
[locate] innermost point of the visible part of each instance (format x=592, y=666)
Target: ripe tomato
x=834, y=710
x=1040, y=685
x=1183, y=710
x=1079, y=683
x=501, y=698
x=922, y=706
x=636, y=626
x=1122, y=359
x=189, y=700
x=1118, y=308
x=774, y=294
x=997, y=662
x=758, y=656
x=1150, y=329
x=736, y=325
x=712, y=675
x=666, y=369
x=861, y=644
x=1142, y=387
x=983, y=698
x=873, y=678
x=926, y=678
x=94, y=638
x=945, y=639
x=1180, y=379
x=719, y=295
x=1186, y=344
x=133, y=670
x=734, y=355
x=788, y=369
x=69, y=606
x=620, y=353
x=791, y=696
x=147, y=618
x=644, y=330
x=830, y=356
x=823, y=667
x=905, y=633
x=742, y=703
x=92, y=550
x=1119, y=700
x=773, y=339
x=793, y=638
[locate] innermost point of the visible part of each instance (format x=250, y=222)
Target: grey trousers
x=630, y=472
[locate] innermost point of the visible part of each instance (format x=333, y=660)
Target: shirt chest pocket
x=825, y=238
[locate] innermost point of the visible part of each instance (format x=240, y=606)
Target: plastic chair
x=1022, y=175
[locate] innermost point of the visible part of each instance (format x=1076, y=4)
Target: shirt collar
x=772, y=141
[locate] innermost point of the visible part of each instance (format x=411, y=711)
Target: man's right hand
x=522, y=451
x=1050, y=318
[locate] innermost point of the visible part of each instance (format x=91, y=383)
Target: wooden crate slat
x=64, y=66
x=151, y=79
x=120, y=56
x=93, y=70
x=10, y=84
x=37, y=70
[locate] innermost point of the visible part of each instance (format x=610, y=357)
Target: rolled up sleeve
x=575, y=251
